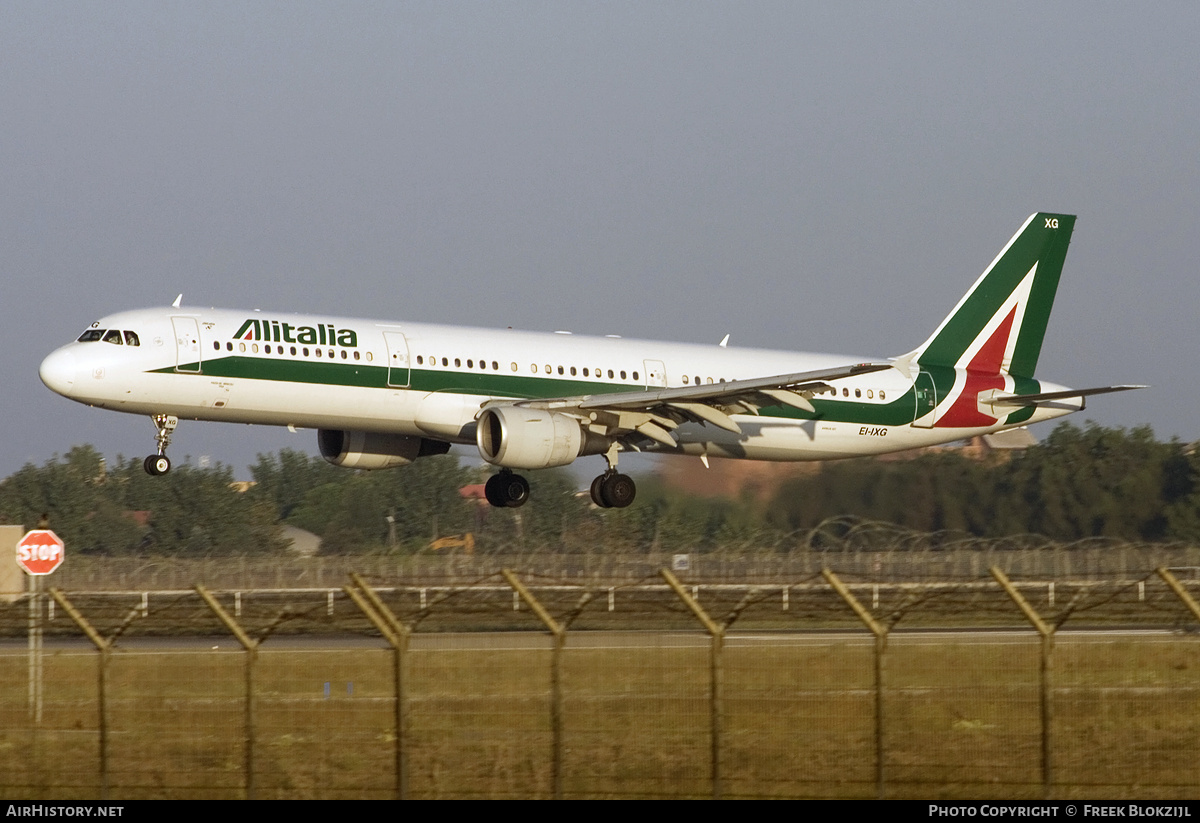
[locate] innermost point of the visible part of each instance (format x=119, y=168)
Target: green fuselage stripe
x=897, y=412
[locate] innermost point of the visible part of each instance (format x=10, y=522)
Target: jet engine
x=374, y=450
x=520, y=438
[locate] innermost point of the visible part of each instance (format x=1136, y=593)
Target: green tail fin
x=999, y=325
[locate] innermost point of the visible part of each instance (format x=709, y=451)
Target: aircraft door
x=925, y=414
x=399, y=370
x=656, y=374
x=187, y=344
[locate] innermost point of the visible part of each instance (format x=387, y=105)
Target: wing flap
x=790, y=398
x=708, y=414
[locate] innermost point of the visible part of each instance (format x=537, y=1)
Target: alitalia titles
x=276, y=331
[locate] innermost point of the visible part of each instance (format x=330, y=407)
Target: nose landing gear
x=156, y=464
x=159, y=464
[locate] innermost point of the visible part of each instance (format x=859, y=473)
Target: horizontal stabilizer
x=1046, y=397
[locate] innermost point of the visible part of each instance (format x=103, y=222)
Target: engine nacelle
x=520, y=438
x=374, y=450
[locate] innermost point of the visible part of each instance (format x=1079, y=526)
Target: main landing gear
x=613, y=490
x=158, y=464
x=506, y=490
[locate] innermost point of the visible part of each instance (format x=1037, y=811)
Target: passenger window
x=343, y=354
x=445, y=361
x=331, y=354
x=610, y=374
x=685, y=380
x=293, y=349
x=635, y=377
x=457, y=363
x=858, y=392
x=420, y=360
x=845, y=392
x=241, y=347
x=316, y=351
x=560, y=369
x=622, y=374
x=585, y=372
x=470, y=364
x=356, y=355
x=228, y=347
x=254, y=348
x=514, y=366
x=305, y=351
x=216, y=345
x=495, y=366
x=881, y=395
x=131, y=339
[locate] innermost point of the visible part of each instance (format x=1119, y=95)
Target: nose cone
x=58, y=372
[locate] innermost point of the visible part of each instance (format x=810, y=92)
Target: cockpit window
x=113, y=336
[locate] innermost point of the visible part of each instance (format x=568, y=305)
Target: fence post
x=104, y=647
x=251, y=647
x=881, y=634
x=396, y=634
x=1044, y=705
x=1179, y=590
x=559, y=632
x=716, y=674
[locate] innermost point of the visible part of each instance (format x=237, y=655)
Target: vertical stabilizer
x=998, y=327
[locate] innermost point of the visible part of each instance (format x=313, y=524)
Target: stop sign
x=40, y=551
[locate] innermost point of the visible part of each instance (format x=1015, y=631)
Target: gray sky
x=824, y=177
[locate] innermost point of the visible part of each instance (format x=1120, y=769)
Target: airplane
x=383, y=394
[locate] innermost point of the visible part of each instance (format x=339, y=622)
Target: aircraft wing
x=655, y=413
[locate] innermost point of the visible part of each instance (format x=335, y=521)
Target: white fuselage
x=431, y=380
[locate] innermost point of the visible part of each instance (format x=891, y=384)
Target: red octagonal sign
x=40, y=551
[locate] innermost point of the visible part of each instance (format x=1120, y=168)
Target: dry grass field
x=960, y=720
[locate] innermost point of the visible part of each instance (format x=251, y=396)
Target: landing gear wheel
x=506, y=490
x=156, y=464
x=616, y=490
x=491, y=490
x=598, y=493
x=517, y=491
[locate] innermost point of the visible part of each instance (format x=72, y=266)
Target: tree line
x=1080, y=482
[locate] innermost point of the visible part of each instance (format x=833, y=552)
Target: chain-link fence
x=522, y=685
x=880, y=552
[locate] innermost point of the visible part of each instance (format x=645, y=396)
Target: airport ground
x=647, y=713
